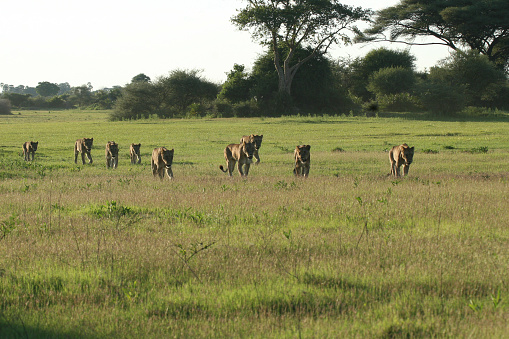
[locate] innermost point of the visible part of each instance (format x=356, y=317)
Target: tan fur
x=83, y=146
x=30, y=147
x=401, y=155
x=241, y=153
x=302, y=158
x=111, y=154
x=257, y=141
x=162, y=159
x=134, y=151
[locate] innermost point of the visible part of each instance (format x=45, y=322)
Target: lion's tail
x=222, y=168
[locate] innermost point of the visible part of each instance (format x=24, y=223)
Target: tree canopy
x=313, y=24
x=481, y=25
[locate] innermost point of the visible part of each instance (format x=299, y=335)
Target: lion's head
x=302, y=152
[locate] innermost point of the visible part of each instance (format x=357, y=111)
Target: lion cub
x=162, y=159
x=111, y=154
x=134, y=151
x=401, y=155
x=241, y=153
x=30, y=147
x=302, y=160
x=83, y=146
x=257, y=141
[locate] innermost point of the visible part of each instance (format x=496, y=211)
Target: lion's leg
x=405, y=170
x=246, y=170
x=83, y=157
x=107, y=163
x=306, y=171
x=75, y=156
x=89, y=156
x=33, y=156
x=169, y=173
x=115, y=164
x=231, y=167
x=256, y=156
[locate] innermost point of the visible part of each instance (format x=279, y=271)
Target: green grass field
x=87, y=252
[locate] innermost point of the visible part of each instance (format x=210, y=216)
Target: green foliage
x=237, y=86
x=479, y=25
x=360, y=70
x=168, y=96
x=400, y=102
x=390, y=81
x=5, y=107
x=47, y=89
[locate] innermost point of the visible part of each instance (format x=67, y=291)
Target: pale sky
x=107, y=42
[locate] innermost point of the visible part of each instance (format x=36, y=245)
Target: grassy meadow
x=87, y=252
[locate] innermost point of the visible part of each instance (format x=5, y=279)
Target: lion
x=257, y=141
x=401, y=155
x=162, y=160
x=30, y=147
x=134, y=151
x=302, y=160
x=111, y=154
x=241, y=153
x=83, y=146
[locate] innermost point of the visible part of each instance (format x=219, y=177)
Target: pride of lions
x=240, y=154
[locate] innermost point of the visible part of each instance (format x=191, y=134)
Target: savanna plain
x=87, y=252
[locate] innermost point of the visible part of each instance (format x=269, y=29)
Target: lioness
x=30, y=147
x=243, y=153
x=302, y=160
x=134, y=151
x=162, y=160
x=257, y=141
x=83, y=146
x=401, y=155
x=111, y=154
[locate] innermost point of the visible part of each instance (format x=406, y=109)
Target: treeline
x=382, y=80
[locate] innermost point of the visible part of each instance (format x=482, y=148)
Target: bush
x=441, y=98
x=392, y=80
x=400, y=102
x=5, y=107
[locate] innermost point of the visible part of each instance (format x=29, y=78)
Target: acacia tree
x=481, y=25
x=293, y=24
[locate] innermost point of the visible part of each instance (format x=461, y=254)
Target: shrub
x=5, y=107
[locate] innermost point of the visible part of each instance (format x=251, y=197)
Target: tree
x=237, y=86
x=316, y=24
x=361, y=69
x=391, y=80
x=140, y=77
x=47, y=89
x=82, y=95
x=481, y=25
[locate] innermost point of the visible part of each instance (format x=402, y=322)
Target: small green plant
x=475, y=306
x=496, y=299
x=429, y=151
x=449, y=147
x=8, y=225
x=338, y=149
x=480, y=149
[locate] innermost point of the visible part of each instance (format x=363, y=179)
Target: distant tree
x=166, y=96
x=391, y=80
x=315, y=88
x=311, y=24
x=47, y=89
x=5, y=107
x=184, y=87
x=140, y=78
x=472, y=74
x=81, y=95
x=16, y=99
x=360, y=70
x=64, y=88
x=481, y=25
x=237, y=86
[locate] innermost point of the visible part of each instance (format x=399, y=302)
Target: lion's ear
x=308, y=147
